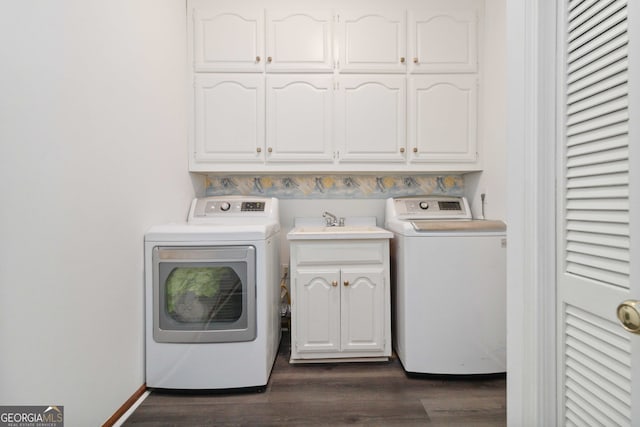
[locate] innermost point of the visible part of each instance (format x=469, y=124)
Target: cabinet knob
x=415, y=149
x=402, y=149
x=415, y=60
x=402, y=59
x=269, y=59
x=334, y=283
x=346, y=283
x=270, y=149
x=259, y=150
x=257, y=59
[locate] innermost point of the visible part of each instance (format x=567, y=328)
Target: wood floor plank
x=369, y=394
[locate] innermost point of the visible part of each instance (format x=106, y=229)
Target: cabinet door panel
x=229, y=118
x=317, y=311
x=372, y=41
x=443, y=118
x=443, y=41
x=362, y=312
x=299, y=118
x=227, y=40
x=370, y=118
x=299, y=41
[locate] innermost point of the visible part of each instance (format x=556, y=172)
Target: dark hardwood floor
x=373, y=394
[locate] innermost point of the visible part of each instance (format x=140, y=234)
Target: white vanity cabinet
x=340, y=306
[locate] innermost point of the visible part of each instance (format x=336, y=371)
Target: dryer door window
x=204, y=294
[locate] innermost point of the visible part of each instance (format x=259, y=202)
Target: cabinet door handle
x=259, y=150
x=402, y=59
x=257, y=59
x=334, y=283
x=402, y=149
x=346, y=283
x=269, y=59
x=415, y=60
x=270, y=149
x=415, y=149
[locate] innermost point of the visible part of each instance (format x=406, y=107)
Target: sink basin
x=314, y=232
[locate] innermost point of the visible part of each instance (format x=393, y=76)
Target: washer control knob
x=225, y=206
x=424, y=205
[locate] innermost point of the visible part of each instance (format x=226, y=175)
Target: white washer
x=449, y=278
x=212, y=296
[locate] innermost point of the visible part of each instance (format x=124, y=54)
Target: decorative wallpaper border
x=334, y=186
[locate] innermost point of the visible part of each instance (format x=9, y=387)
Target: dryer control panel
x=431, y=207
x=208, y=208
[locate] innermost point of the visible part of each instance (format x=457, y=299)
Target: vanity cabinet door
x=317, y=309
x=226, y=40
x=299, y=41
x=443, y=117
x=228, y=118
x=443, y=41
x=362, y=309
x=372, y=42
x=371, y=119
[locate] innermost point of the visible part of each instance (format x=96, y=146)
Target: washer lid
x=458, y=225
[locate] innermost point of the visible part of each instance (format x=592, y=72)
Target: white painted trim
x=531, y=213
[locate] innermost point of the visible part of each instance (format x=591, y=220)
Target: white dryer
x=449, y=287
x=212, y=296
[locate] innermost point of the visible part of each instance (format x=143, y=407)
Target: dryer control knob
x=424, y=205
x=225, y=206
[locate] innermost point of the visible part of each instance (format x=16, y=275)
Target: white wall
x=92, y=152
x=493, y=179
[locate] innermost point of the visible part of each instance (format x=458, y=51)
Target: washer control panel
x=431, y=207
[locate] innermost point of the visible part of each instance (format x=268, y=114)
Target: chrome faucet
x=331, y=220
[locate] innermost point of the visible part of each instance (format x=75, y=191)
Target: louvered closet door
x=597, y=359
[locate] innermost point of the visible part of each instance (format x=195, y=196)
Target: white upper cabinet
x=443, y=118
x=299, y=41
x=229, y=118
x=299, y=118
x=370, y=118
x=443, y=41
x=394, y=87
x=371, y=42
x=227, y=40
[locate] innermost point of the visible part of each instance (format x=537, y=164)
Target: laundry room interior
x=107, y=131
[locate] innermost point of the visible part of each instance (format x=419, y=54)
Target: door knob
x=334, y=283
x=629, y=315
x=346, y=283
